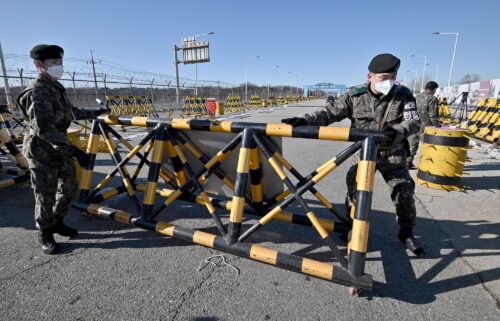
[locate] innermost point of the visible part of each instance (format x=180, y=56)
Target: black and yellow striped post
x=117, y=159
x=255, y=177
x=164, y=173
x=88, y=171
x=195, y=181
x=313, y=180
x=325, y=236
x=121, y=164
x=322, y=270
x=358, y=244
x=154, y=171
x=238, y=202
x=323, y=200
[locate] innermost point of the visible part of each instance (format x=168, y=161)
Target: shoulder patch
x=358, y=90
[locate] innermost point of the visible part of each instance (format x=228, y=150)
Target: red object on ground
x=211, y=106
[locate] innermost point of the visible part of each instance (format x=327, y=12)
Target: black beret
x=431, y=85
x=384, y=63
x=42, y=52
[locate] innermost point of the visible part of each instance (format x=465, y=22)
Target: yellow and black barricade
x=167, y=140
x=442, y=159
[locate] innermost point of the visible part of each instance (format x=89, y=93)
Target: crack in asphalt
x=464, y=260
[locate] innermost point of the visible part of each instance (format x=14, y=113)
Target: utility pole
x=20, y=71
x=93, y=70
x=5, y=79
x=177, y=87
x=152, y=93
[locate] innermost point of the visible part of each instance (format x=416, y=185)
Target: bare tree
x=469, y=78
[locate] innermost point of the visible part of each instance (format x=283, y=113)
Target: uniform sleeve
x=434, y=111
x=41, y=116
x=410, y=123
x=333, y=112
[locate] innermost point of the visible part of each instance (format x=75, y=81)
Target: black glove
x=295, y=121
x=82, y=158
x=390, y=134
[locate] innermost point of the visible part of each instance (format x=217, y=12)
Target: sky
x=311, y=41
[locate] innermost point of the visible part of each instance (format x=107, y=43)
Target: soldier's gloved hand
x=294, y=121
x=390, y=134
x=82, y=158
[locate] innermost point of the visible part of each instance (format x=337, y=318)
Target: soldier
x=48, y=112
x=380, y=104
x=428, y=111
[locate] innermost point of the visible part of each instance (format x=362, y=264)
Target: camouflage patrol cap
x=384, y=63
x=42, y=52
x=431, y=85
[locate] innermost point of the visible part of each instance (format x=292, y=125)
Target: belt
x=390, y=151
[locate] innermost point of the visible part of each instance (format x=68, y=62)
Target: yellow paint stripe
x=207, y=202
x=317, y=225
x=243, y=161
x=269, y=216
x=229, y=183
x=86, y=180
x=282, y=160
x=263, y=254
x=334, y=133
x=365, y=175
x=324, y=172
x=214, y=160
x=193, y=150
x=181, y=154
x=109, y=193
x=93, y=145
x=181, y=124
x=319, y=169
x=284, y=194
x=104, y=182
x=150, y=196
x=318, y=269
x=277, y=168
x=323, y=200
x=165, y=228
x=282, y=130
x=223, y=126
x=254, y=159
x=359, y=236
x=283, y=217
x=236, y=215
x=205, y=239
x=172, y=197
x=139, y=121
x=122, y=217
x=257, y=193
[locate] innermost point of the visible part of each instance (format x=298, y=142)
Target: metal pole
x=453, y=60
x=93, y=70
x=5, y=79
x=74, y=84
x=105, y=86
x=246, y=80
x=196, y=81
x=21, y=76
x=152, y=93
x=177, y=87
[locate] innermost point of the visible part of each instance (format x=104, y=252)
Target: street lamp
x=454, y=50
x=423, y=73
x=415, y=80
x=246, y=75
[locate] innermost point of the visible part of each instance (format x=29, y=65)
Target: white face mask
x=383, y=87
x=56, y=71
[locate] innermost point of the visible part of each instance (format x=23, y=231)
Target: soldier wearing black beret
x=385, y=105
x=48, y=112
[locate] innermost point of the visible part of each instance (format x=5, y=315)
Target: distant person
x=380, y=104
x=428, y=111
x=48, y=112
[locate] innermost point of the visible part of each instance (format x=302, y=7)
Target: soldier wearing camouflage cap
x=384, y=105
x=48, y=112
x=428, y=111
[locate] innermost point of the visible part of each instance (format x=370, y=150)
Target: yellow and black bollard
x=442, y=158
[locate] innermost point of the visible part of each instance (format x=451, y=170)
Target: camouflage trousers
x=394, y=170
x=54, y=184
x=413, y=141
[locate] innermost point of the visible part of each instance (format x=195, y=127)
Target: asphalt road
x=115, y=272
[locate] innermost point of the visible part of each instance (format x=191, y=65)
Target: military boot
x=46, y=240
x=64, y=230
x=405, y=235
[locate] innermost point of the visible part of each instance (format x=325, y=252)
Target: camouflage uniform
x=428, y=111
x=48, y=111
x=369, y=111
